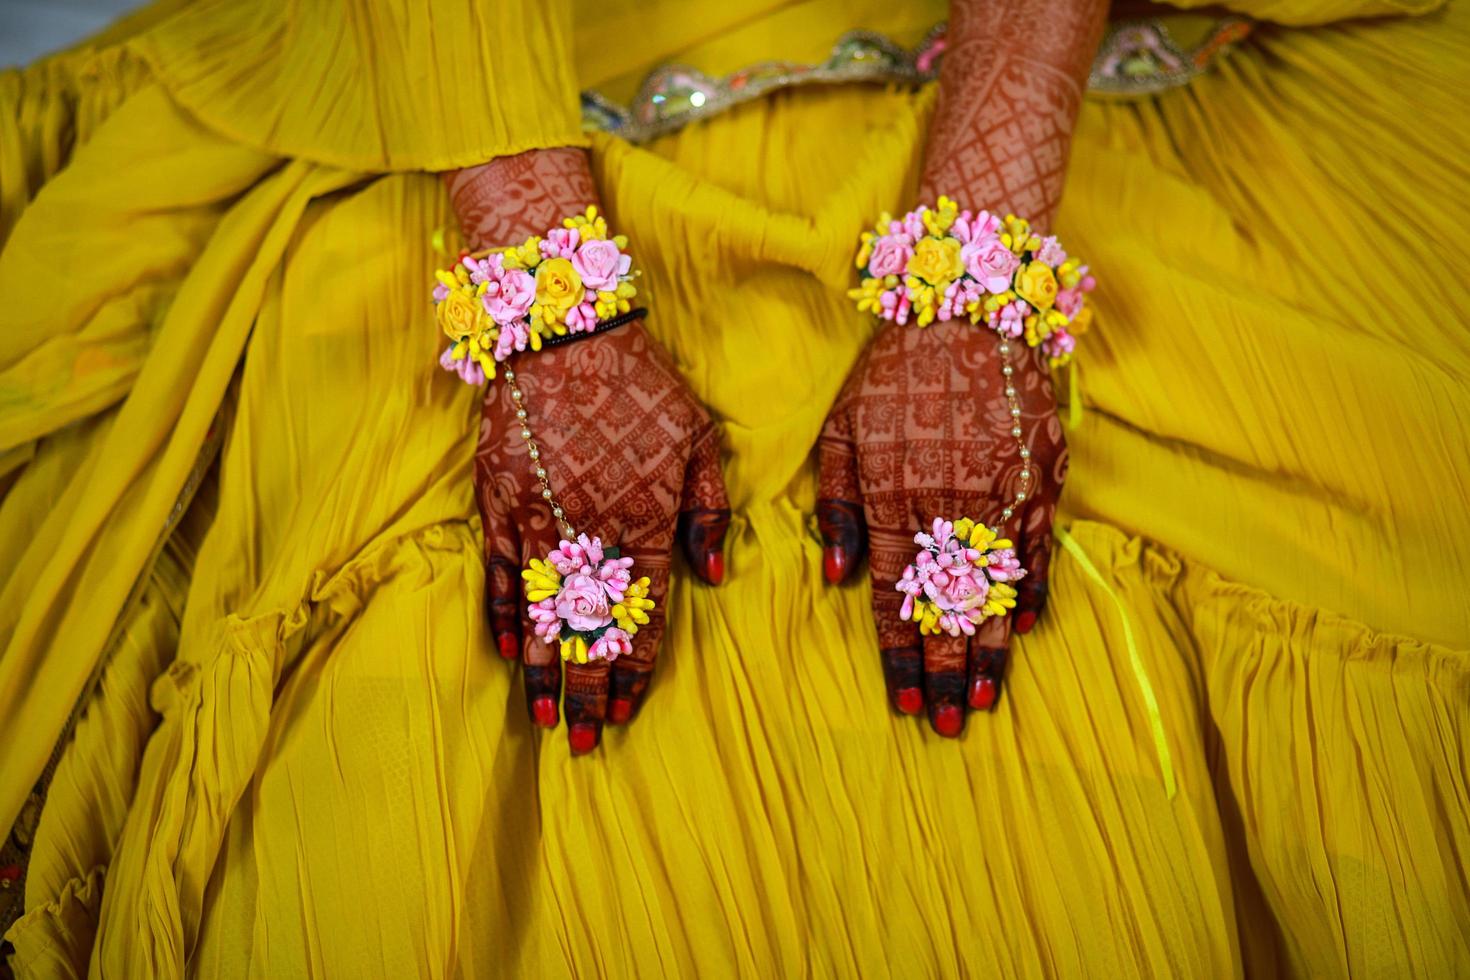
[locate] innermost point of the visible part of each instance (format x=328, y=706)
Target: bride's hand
x=922, y=430
x=631, y=456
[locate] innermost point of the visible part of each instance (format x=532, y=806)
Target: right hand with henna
x=631, y=455
x=922, y=430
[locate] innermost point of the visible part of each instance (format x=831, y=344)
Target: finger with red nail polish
x=543, y=693
x=987, y=674
x=704, y=514
x=586, y=704
x=839, y=511
x=945, y=659
x=627, y=686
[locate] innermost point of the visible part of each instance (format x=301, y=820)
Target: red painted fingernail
x=984, y=693
x=1025, y=621
x=620, y=710
x=714, y=567
x=948, y=720
x=583, y=737
x=510, y=647
x=834, y=564
x=544, y=711
x=910, y=700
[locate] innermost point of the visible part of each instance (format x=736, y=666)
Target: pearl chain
x=539, y=471
x=1015, y=408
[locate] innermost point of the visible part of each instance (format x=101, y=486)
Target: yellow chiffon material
x=334, y=774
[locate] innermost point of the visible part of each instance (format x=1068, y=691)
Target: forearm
x=505, y=201
x=1010, y=86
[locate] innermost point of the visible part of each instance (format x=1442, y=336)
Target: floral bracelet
x=494, y=303
x=942, y=264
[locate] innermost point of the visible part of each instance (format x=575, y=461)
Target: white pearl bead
x=540, y=473
x=546, y=494
x=521, y=414
x=557, y=513
x=1015, y=413
x=525, y=432
x=1020, y=497
x=1008, y=370
x=1016, y=431
x=1025, y=453
x=535, y=453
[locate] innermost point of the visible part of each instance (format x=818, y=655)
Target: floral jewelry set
x=939, y=264
x=930, y=265
x=573, y=281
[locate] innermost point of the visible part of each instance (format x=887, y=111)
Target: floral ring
x=585, y=600
x=961, y=577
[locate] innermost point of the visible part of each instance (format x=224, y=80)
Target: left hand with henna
x=631, y=455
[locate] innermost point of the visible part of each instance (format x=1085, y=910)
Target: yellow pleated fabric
x=333, y=774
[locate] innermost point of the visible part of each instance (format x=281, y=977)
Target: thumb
x=704, y=513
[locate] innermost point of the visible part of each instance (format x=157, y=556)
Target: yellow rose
x=558, y=287
x=1036, y=284
x=936, y=261
x=460, y=315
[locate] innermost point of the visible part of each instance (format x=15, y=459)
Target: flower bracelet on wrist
x=940, y=264
x=574, y=281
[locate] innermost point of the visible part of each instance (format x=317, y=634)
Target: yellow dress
x=237, y=488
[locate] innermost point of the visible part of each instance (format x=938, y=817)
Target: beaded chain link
x=534, y=451
x=1008, y=372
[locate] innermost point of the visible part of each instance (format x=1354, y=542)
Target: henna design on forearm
x=507, y=200
x=1010, y=87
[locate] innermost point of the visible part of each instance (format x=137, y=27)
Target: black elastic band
x=603, y=327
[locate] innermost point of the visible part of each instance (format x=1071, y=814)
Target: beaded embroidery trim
x=1136, y=59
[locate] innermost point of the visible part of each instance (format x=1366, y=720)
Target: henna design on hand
x=1010, y=85
x=509, y=199
x=921, y=430
x=622, y=439
x=626, y=446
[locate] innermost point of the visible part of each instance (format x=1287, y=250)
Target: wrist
x=511, y=198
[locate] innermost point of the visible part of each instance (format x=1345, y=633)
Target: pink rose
x=1069, y=302
x=991, y=263
x=600, y=263
x=511, y=299
x=890, y=254
x=583, y=603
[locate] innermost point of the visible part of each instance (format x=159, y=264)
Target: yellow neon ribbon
x=1140, y=673
x=1074, y=396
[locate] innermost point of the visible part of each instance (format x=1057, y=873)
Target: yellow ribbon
x=1140, y=673
x=1074, y=395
